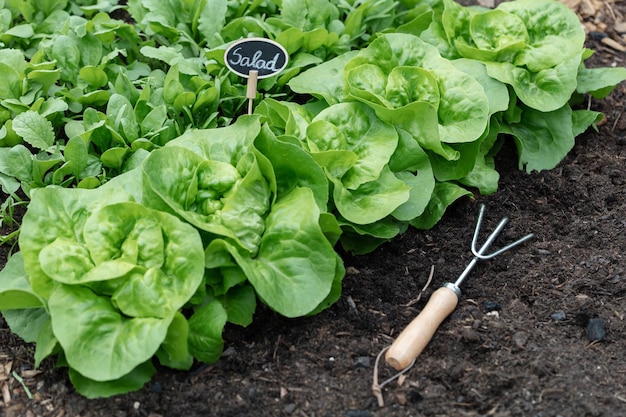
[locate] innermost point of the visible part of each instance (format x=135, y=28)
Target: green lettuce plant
x=220, y=182
x=107, y=276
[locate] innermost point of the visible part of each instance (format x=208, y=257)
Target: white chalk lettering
x=264, y=56
x=256, y=62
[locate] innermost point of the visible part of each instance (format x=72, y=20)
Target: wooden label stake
x=253, y=77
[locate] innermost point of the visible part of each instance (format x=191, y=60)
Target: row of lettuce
x=159, y=211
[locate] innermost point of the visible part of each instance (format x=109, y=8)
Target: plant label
x=265, y=56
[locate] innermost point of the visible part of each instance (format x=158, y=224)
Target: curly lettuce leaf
x=546, y=90
x=533, y=45
x=373, y=200
x=224, y=144
x=295, y=267
x=15, y=290
x=543, y=139
x=493, y=36
x=132, y=381
x=355, y=128
x=167, y=256
x=355, y=147
x=293, y=166
x=216, y=180
x=99, y=341
x=113, y=274
x=56, y=213
x=284, y=118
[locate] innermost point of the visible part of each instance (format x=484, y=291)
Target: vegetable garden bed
x=511, y=361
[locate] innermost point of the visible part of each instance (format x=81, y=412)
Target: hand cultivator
x=401, y=355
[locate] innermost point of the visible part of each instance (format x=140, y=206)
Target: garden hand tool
x=414, y=338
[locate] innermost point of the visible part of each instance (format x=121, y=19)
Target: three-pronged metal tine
x=480, y=253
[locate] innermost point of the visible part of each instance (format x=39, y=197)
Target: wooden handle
x=414, y=338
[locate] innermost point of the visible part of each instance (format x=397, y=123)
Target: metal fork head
x=481, y=253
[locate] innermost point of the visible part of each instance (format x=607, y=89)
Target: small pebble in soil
x=362, y=362
x=289, y=408
x=492, y=306
x=559, y=315
x=596, y=331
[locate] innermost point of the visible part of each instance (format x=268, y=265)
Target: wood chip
x=590, y=27
x=599, y=5
x=30, y=373
x=6, y=394
x=614, y=44
x=584, y=8
x=5, y=370
x=587, y=9
x=601, y=27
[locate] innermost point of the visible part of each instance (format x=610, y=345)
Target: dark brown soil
x=517, y=344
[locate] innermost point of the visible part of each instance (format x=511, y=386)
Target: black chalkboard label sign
x=265, y=56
